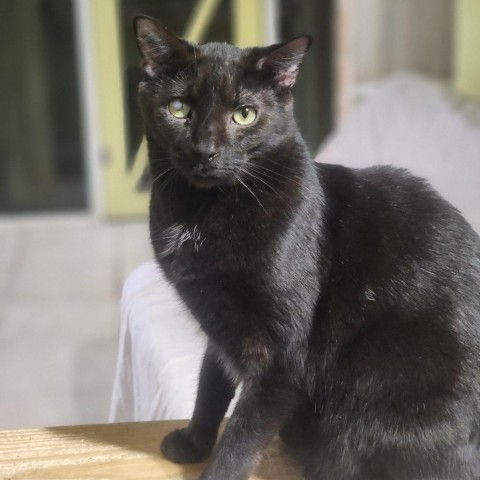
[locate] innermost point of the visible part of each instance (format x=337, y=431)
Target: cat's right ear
x=156, y=44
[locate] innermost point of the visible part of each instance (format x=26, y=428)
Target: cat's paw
x=179, y=447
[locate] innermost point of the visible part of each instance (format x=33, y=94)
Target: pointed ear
x=156, y=44
x=283, y=60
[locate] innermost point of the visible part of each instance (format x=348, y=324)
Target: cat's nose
x=206, y=151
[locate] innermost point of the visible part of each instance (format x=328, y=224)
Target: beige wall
x=375, y=38
x=393, y=35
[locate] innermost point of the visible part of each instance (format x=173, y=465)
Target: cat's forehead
x=220, y=57
x=212, y=71
x=215, y=69
x=218, y=65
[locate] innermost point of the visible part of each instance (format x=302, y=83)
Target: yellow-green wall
x=118, y=185
x=467, y=47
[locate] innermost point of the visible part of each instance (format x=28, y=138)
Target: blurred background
x=385, y=82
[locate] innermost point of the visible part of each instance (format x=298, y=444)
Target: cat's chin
x=208, y=181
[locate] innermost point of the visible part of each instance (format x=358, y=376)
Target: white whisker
x=254, y=196
x=162, y=174
x=256, y=176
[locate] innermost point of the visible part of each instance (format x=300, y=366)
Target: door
x=41, y=158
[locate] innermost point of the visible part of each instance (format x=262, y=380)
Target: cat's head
x=215, y=109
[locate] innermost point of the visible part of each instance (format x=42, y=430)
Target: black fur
x=346, y=302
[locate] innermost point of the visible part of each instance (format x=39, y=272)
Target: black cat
x=345, y=302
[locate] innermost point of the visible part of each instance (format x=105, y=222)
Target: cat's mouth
x=210, y=178
x=205, y=174
x=205, y=180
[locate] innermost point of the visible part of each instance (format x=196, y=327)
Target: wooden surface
x=115, y=451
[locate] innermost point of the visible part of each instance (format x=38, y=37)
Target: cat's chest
x=189, y=249
x=178, y=239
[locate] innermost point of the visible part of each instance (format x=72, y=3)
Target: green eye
x=244, y=115
x=179, y=108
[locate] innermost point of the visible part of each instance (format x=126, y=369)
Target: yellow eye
x=244, y=115
x=179, y=108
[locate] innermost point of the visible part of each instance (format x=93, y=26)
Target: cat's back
x=384, y=209
x=401, y=252
x=397, y=330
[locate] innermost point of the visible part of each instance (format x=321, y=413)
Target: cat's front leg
x=215, y=391
x=259, y=414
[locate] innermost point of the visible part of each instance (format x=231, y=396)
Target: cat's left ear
x=283, y=60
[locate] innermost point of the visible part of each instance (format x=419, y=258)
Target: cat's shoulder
x=374, y=175
x=387, y=193
x=375, y=182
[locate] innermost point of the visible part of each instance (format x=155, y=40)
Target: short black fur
x=346, y=302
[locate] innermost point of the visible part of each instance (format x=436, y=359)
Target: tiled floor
x=60, y=285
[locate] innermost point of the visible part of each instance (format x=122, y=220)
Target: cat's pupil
x=245, y=111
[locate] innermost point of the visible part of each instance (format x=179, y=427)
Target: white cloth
x=160, y=352
x=418, y=123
